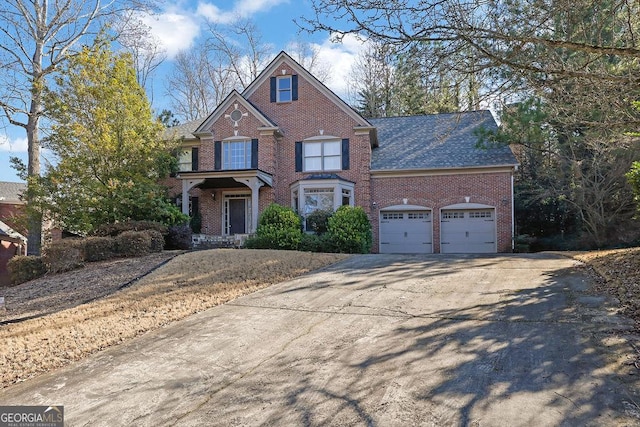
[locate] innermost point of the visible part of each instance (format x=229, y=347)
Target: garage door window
x=387, y=216
x=452, y=215
x=480, y=214
x=418, y=215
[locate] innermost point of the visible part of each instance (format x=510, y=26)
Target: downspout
x=513, y=211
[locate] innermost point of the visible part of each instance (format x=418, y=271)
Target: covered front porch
x=228, y=204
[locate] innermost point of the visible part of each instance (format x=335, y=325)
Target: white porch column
x=254, y=184
x=188, y=184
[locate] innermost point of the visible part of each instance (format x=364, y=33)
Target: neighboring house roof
x=185, y=130
x=436, y=141
x=10, y=191
x=8, y=234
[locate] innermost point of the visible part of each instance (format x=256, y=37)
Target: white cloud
x=174, y=30
x=241, y=9
x=340, y=57
x=15, y=145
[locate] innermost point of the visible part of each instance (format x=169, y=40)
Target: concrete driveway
x=377, y=340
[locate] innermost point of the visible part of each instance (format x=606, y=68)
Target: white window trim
x=236, y=140
x=298, y=189
x=323, y=140
x=289, y=90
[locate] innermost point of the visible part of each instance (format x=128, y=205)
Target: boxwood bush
x=133, y=243
x=279, y=227
x=97, y=248
x=24, y=268
x=350, y=230
x=63, y=255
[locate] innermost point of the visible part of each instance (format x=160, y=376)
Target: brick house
x=12, y=242
x=288, y=139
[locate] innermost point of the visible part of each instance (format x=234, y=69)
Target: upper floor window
x=322, y=156
x=284, y=89
x=236, y=154
x=188, y=159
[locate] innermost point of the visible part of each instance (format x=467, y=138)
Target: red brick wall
x=438, y=191
x=305, y=118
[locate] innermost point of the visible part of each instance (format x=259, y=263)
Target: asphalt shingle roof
x=10, y=191
x=184, y=130
x=436, y=141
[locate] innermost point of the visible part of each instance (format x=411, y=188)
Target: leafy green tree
x=109, y=154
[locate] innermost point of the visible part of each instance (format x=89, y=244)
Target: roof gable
x=283, y=57
x=233, y=98
x=436, y=141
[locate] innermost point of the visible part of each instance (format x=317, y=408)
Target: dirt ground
x=57, y=319
x=74, y=314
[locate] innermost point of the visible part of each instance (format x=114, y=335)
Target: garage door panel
x=406, y=232
x=468, y=231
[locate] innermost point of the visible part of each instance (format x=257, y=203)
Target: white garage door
x=468, y=231
x=406, y=232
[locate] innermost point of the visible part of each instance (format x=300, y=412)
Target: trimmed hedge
x=24, y=268
x=133, y=243
x=156, y=240
x=64, y=255
x=118, y=228
x=98, y=248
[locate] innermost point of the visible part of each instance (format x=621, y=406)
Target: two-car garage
x=463, y=229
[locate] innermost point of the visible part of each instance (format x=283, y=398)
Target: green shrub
x=133, y=243
x=316, y=243
x=350, y=230
x=157, y=240
x=98, y=248
x=279, y=227
x=318, y=221
x=63, y=255
x=24, y=268
x=178, y=237
x=256, y=242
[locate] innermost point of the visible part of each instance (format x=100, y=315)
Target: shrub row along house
x=423, y=182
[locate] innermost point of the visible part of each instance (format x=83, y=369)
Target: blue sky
x=182, y=23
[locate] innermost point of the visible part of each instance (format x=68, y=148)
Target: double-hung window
x=236, y=154
x=188, y=159
x=284, y=89
x=322, y=156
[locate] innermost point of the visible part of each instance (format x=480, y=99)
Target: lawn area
x=84, y=311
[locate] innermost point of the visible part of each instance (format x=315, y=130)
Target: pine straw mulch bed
x=81, y=312
x=617, y=275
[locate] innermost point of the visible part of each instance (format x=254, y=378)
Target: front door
x=237, y=216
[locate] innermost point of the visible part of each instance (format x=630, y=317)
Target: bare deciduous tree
x=308, y=56
x=200, y=80
x=147, y=54
x=242, y=48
